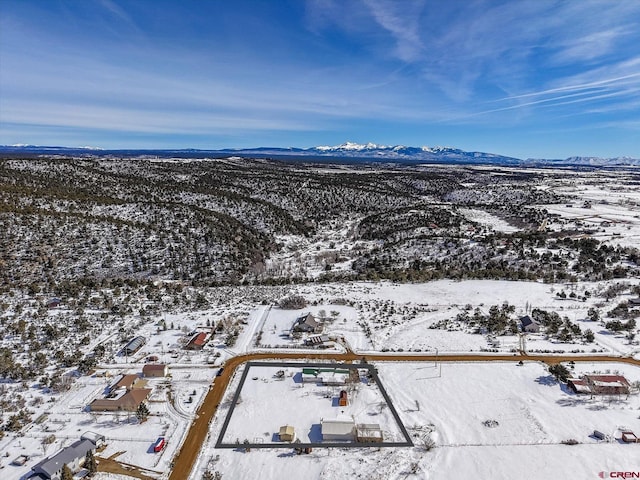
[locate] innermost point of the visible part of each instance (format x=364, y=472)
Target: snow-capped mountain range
x=347, y=150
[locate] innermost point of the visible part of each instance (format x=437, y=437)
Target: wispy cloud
x=393, y=68
x=401, y=20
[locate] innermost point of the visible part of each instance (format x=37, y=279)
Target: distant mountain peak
x=351, y=146
x=348, y=150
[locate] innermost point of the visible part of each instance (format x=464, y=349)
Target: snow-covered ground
x=450, y=402
x=485, y=218
x=399, y=315
x=370, y=316
x=609, y=206
x=268, y=402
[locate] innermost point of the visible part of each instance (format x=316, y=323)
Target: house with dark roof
x=72, y=456
x=306, y=323
x=134, y=345
x=529, y=325
x=634, y=302
x=53, y=302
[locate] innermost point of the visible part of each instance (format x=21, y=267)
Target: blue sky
x=537, y=78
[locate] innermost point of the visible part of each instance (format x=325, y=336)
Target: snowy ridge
x=347, y=150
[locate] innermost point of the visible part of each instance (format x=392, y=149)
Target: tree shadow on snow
x=547, y=380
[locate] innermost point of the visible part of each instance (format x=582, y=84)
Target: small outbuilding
x=287, y=433
x=578, y=386
x=599, y=435
x=155, y=370
x=320, y=341
x=629, y=437
x=369, y=433
x=98, y=439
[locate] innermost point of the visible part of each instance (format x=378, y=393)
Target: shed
x=578, y=386
x=599, y=435
x=287, y=433
x=335, y=377
x=155, y=370
x=634, y=302
x=369, y=433
x=317, y=341
x=340, y=429
x=629, y=437
x=94, y=437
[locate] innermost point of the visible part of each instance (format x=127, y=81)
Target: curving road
x=188, y=453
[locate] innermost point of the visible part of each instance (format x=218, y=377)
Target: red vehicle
x=159, y=445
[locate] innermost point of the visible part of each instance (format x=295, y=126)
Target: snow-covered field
x=606, y=205
x=416, y=307
x=487, y=219
x=268, y=402
x=450, y=402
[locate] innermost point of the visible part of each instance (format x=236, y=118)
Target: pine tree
x=66, y=473
x=90, y=463
x=560, y=372
x=142, y=412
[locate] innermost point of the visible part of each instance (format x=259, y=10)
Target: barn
x=134, y=345
x=607, y=384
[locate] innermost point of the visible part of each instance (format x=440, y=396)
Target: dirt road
x=186, y=456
